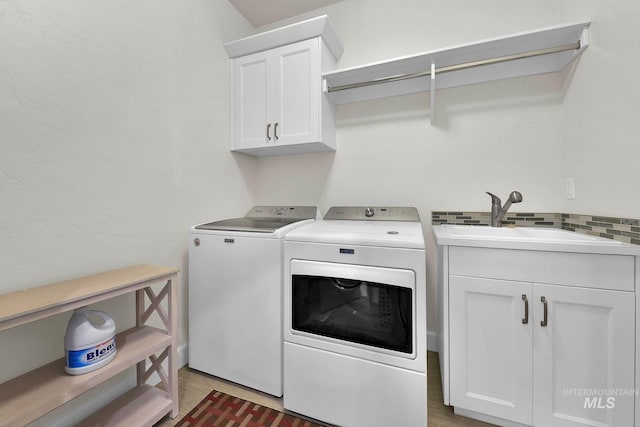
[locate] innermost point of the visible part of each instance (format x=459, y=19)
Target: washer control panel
x=288, y=212
x=353, y=213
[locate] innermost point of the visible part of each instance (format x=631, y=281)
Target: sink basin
x=532, y=238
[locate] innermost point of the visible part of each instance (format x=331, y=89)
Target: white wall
x=527, y=134
x=496, y=137
x=600, y=123
x=114, y=127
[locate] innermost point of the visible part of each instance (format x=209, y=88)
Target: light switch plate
x=570, y=186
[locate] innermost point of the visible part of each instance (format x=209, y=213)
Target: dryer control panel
x=355, y=213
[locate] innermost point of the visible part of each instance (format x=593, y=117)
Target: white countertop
x=529, y=238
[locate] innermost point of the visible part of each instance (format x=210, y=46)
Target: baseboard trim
x=486, y=418
x=432, y=341
x=183, y=355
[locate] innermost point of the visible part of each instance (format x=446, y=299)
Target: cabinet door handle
x=268, y=130
x=275, y=131
x=545, y=311
x=525, y=319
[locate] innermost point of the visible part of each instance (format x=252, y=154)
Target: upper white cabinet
x=533, y=52
x=277, y=103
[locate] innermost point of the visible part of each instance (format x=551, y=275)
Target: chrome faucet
x=498, y=211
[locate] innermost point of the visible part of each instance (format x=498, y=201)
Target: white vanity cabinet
x=538, y=337
x=277, y=102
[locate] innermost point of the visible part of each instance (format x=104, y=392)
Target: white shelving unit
x=540, y=51
x=34, y=394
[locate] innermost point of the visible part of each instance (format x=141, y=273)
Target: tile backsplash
x=622, y=229
x=519, y=219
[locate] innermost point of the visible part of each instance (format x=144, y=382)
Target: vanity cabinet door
x=491, y=347
x=583, y=354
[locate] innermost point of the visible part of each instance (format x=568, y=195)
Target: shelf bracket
x=433, y=93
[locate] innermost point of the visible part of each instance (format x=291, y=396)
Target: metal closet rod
x=463, y=66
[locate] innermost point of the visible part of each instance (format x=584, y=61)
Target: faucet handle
x=515, y=197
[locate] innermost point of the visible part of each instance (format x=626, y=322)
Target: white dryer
x=355, y=318
x=235, y=295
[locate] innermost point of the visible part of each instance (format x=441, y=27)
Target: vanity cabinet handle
x=525, y=319
x=268, y=129
x=545, y=312
x=275, y=131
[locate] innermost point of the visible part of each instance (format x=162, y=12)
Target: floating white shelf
x=540, y=51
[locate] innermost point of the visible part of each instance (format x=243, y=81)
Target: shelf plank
x=17, y=308
x=141, y=407
x=545, y=38
x=30, y=396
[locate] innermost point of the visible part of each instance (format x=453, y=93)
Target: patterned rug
x=219, y=409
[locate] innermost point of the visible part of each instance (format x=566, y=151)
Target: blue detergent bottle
x=89, y=341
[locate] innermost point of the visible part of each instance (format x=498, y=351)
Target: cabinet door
x=583, y=355
x=491, y=347
x=297, y=88
x=252, y=100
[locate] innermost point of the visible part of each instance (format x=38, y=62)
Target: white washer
x=355, y=318
x=235, y=295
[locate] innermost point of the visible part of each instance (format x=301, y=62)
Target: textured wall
x=114, y=125
x=497, y=137
x=527, y=134
x=600, y=125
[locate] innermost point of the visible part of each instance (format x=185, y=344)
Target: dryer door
x=370, y=309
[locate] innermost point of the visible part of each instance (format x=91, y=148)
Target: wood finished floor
x=194, y=386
